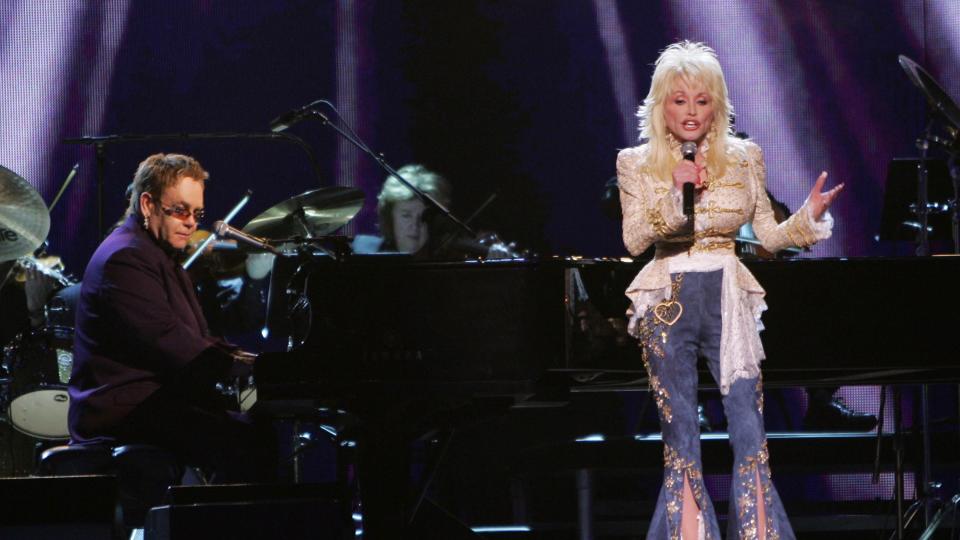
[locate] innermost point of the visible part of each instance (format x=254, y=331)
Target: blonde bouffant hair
x=694, y=62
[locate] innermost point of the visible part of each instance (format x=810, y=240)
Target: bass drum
x=39, y=365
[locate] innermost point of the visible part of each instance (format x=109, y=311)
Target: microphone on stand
x=290, y=118
x=689, y=152
x=224, y=230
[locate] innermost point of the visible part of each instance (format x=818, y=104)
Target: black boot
x=834, y=415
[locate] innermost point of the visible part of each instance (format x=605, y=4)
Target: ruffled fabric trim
x=741, y=307
x=822, y=228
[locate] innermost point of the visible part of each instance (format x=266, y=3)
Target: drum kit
x=36, y=363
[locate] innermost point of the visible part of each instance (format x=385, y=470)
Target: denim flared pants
x=670, y=355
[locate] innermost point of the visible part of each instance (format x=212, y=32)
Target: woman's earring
x=146, y=222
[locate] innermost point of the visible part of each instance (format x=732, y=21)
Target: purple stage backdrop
x=528, y=101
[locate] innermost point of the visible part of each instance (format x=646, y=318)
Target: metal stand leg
x=585, y=503
x=298, y=446
x=946, y=511
x=898, y=459
x=927, y=461
x=926, y=495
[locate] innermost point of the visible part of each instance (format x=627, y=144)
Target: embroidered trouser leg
x=670, y=356
x=743, y=406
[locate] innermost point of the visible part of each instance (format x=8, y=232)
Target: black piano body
x=399, y=344
x=385, y=321
x=503, y=324
x=403, y=350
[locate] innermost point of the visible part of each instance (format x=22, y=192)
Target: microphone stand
x=99, y=143
x=354, y=139
x=230, y=215
x=451, y=235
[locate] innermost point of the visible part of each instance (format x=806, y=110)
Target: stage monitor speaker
x=251, y=511
x=42, y=508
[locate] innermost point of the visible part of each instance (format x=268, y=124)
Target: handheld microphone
x=290, y=118
x=224, y=230
x=689, y=152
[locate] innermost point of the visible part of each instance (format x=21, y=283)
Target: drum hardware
x=60, y=310
x=928, y=496
x=953, y=508
x=48, y=265
x=63, y=187
x=942, y=111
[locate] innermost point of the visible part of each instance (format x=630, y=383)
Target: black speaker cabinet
x=41, y=508
x=251, y=511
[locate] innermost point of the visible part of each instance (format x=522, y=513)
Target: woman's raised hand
x=820, y=200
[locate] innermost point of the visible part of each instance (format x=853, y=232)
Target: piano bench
x=76, y=460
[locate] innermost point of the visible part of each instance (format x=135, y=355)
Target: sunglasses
x=182, y=213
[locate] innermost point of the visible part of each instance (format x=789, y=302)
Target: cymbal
x=937, y=97
x=314, y=213
x=24, y=220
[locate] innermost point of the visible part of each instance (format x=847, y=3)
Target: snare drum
x=39, y=365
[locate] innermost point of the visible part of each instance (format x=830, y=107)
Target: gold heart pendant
x=668, y=312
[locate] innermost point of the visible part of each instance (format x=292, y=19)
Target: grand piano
x=407, y=347
x=386, y=318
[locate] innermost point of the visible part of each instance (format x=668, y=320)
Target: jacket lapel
x=186, y=286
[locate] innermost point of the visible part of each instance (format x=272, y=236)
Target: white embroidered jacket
x=652, y=214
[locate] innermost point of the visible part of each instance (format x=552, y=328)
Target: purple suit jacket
x=139, y=327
